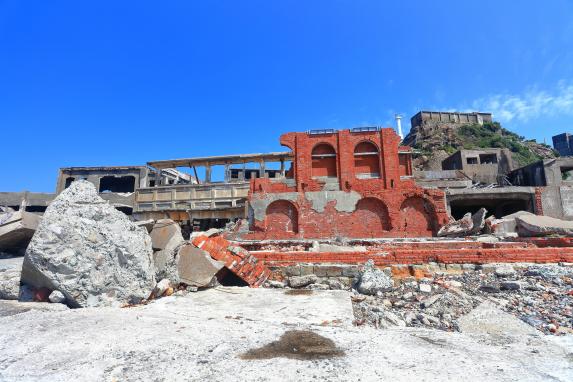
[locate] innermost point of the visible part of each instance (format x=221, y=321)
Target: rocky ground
x=539, y=295
x=218, y=334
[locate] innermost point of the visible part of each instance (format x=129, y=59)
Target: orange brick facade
x=354, y=184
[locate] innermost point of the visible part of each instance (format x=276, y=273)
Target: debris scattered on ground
x=89, y=251
x=457, y=227
x=540, y=295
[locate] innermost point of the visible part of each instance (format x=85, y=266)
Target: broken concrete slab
x=504, y=227
x=16, y=230
x=195, y=267
x=458, y=227
x=165, y=238
x=89, y=251
x=478, y=221
x=534, y=225
x=147, y=224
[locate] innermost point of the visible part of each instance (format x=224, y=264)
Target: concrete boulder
x=92, y=253
x=195, y=267
x=166, y=237
x=534, y=225
x=373, y=280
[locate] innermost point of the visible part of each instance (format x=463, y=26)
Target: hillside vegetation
x=449, y=139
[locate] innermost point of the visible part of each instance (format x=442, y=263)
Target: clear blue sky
x=87, y=83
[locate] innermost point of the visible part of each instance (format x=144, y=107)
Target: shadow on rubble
x=297, y=344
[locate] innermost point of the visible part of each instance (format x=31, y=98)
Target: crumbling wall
x=327, y=214
x=349, y=183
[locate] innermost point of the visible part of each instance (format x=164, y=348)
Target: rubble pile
x=540, y=295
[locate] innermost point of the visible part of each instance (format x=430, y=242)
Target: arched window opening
x=282, y=216
x=324, y=161
x=366, y=161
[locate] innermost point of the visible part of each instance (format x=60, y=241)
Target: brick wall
x=388, y=205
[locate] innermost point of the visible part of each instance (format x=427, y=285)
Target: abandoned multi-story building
x=483, y=165
x=426, y=121
x=563, y=144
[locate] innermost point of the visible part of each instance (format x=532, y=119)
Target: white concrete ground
x=200, y=337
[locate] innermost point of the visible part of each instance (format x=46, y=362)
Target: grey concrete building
x=426, y=116
x=556, y=178
x=483, y=165
x=563, y=144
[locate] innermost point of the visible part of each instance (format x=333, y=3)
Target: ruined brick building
x=349, y=183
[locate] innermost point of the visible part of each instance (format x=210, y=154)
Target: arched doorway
x=281, y=216
x=416, y=218
x=370, y=219
x=324, y=161
x=366, y=161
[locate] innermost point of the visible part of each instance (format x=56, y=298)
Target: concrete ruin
x=483, y=165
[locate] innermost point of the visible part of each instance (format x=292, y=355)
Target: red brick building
x=350, y=183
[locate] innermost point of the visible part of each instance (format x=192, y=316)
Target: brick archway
x=324, y=161
x=370, y=219
x=417, y=217
x=281, y=216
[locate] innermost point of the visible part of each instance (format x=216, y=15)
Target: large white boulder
x=90, y=252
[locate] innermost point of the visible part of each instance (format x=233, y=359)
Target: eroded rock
x=89, y=251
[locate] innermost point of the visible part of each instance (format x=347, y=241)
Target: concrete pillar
x=227, y=173
x=207, y=174
x=262, y=166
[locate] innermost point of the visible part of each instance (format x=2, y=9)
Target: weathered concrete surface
x=202, y=335
x=10, y=270
x=345, y=201
x=89, y=251
x=532, y=225
x=195, y=267
x=12, y=308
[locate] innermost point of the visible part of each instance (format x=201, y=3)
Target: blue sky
x=87, y=83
